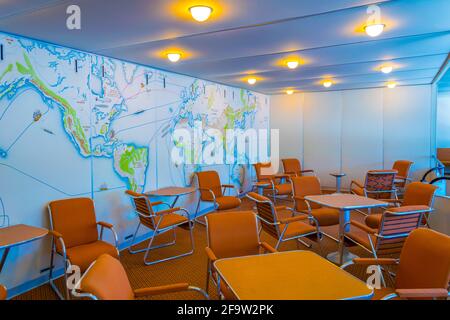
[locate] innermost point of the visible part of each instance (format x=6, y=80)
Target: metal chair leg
x=304, y=243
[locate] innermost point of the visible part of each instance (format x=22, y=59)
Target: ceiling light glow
x=391, y=85
x=386, y=69
x=251, y=81
x=292, y=64
x=327, y=83
x=374, y=30
x=289, y=92
x=200, y=13
x=173, y=57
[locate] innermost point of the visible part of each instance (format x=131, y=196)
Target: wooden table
x=345, y=203
x=171, y=192
x=16, y=235
x=290, y=275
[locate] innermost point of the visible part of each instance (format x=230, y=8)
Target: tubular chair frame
x=379, y=234
x=401, y=180
x=286, y=222
x=216, y=206
x=56, y=236
x=212, y=257
x=157, y=231
x=271, y=180
x=142, y=292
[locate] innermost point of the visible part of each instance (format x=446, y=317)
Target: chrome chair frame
x=63, y=254
x=277, y=224
x=157, y=231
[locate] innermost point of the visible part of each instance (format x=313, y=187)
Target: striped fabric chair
x=281, y=223
x=159, y=222
x=396, y=224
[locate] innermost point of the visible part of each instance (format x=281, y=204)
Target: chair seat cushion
x=326, y=216
x=83, y=255
x=283, y=189
x=297, y=228
x=171, y=219
x=378, y=294
x=227, y=202
x=361, y=237
x=357, y=190
x=373, y=220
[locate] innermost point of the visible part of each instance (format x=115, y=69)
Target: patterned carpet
x=192, y=269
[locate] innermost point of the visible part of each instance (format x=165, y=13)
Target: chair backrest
x=443, y=154
x=3, y=293
x=209, y=180
x=292, y=166
x=418, y=193
x=259, y=176
x=402, y=167
x=306, y=186
x=75, y=220
x=266, y=212
x=106, y=279
x=232, y=234
x=378, y=181
x=396, y=224
x=143, y=208
x=424, y=261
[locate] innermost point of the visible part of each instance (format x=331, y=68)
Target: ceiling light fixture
x=292, y=64
x=200, y=13
x=289, y=92
x=387, y=69
x=374, y=30
x=327, y=83
x=173, y=57
x=251, y=81
x=391, y=85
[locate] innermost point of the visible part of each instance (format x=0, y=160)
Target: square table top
x=343, y=201
x=19, y=234
x=171, y=191
x=291, y=275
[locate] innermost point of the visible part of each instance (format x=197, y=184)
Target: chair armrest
x=161, y=289
x=156, y=203
x=55, y=234
x=167, y=211
x=306, y=171
x=210, y=254
x=105, y=224
x=228, y=186
x=357, y=183
x=293, y=219
x=267, y=247
x=363, y=227
x=422, y=293
x=373, y=261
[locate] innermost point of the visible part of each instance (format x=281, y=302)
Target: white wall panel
x=362, y=133
x=322, y=134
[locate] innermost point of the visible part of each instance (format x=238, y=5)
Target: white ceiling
x=251, y=37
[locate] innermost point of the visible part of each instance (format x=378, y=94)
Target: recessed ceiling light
x=386, y=69
x=327, y=83
x=200, y=13
x=292, y=64
x=251, y=80
x=289, y=92
x=173, y=57
x=374, y=30
x=391, y=84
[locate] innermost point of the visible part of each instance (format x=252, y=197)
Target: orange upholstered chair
x=443, y=155
x=309, y=186
x=396, y=224
x=3, y=293
x=106, y=279
x=416, y=193
x=281, y=222
x=75, y=236
x=293, y=167
x=403, y=167
x=159, y=222
x=232, y=234
x=212, y=190
x=278, y=185
x=423, y=270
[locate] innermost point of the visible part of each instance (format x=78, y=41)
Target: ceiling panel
x=251, y=37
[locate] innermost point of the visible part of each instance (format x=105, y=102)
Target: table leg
x=174, y=201
x=338, y=184
x=342, y=255
x=2, y=261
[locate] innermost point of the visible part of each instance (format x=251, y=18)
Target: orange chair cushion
x=292, y=166
x=170, y=219
x=296, y=228
x=3, y=293
x=83, y=255
x=209, y=180
x=374, y=220
x=107, y=280
x=361, y=237
x=357, y=190
x=75, y=220
x=326, y=216
x=227, y=202
x=283, y=189
x=378, y=294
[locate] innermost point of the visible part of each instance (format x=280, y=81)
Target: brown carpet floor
x=192, y=269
